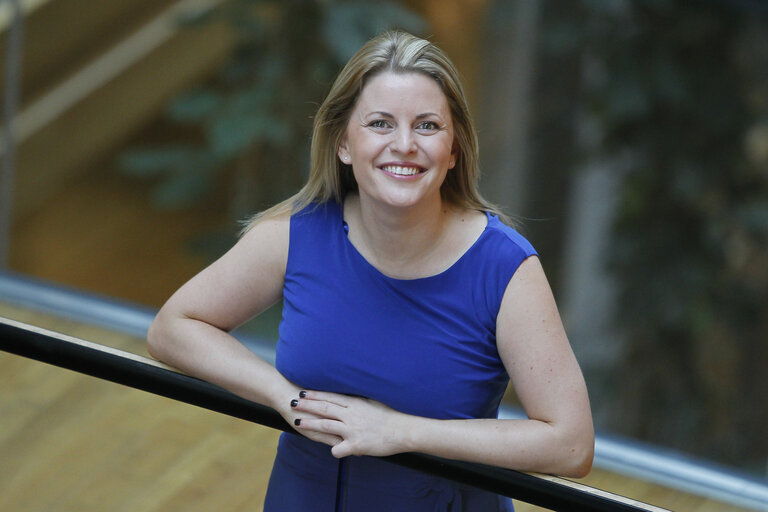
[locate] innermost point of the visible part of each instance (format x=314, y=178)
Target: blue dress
x=422, y=346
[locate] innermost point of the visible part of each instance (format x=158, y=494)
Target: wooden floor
x=74, y=443
x=71, y=443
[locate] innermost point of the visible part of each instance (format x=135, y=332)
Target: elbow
x=579, y=457
x=157, y=341
x=153, y=340
x=581, y=464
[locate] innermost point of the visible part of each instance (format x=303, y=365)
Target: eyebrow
x=390, y=116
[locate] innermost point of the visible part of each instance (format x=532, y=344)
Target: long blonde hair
x=397, y=52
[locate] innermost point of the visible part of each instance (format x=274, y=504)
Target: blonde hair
x=397, y=52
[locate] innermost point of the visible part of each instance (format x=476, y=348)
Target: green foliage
x=254, y=116
x=681, y=88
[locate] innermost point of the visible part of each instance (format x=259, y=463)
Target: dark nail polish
x=297, y=421
x=302, y=394
x=294, y=402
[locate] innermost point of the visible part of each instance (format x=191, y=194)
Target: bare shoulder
x=261, y=254
x=528, y=297
x=243, y=282
x=529, y=331
x=268, y=237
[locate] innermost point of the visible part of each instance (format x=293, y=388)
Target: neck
x=397, y=239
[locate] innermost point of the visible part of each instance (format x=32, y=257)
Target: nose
x=403, y=141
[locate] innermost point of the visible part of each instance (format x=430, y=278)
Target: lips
x=402, y=170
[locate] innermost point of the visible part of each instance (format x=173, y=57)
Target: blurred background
x=628, y=138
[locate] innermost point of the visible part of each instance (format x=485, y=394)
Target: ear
x=454, y=157
x=343, y=153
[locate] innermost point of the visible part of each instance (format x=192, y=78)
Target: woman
x=408, y=306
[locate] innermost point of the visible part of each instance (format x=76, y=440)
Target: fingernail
x=294, y=402
x=297, y=421
x=302, y=394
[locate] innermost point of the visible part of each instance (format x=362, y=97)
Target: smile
x=401, y=170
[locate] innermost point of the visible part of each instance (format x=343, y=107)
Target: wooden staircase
x=94, y=73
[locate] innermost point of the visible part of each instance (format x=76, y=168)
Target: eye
x=428, y=126
x=379, y=124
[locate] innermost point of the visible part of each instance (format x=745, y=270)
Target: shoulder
x=277, y=224
x=244, y=281
x=317, y=212
x=312, y=224
x=503, y=249
x=492, y=261
x=278, y=227
x=312, y=232
x=508, y=237
x=266, y=239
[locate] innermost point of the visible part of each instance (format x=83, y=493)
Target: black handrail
x=148, y=375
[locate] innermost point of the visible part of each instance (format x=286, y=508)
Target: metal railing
x=149, y=375
x=622, y=456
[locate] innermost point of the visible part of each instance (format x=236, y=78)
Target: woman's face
x=399, y=140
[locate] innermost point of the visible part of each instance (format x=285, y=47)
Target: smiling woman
x=408, y=306
x=399, y=141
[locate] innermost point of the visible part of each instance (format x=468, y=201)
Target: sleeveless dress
x=422, y=346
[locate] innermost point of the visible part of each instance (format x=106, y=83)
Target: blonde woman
x=408, y=305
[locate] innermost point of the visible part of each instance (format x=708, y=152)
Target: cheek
x=446, y=150
x=363, y=145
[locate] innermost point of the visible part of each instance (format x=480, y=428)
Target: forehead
x=411, y=91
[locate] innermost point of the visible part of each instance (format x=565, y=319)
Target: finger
x=299, y=425
x=320, y=425
x=327, y=439
x=342, y=449
x=319, y=408
x=326, y=396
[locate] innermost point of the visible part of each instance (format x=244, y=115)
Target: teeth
x=403, y=171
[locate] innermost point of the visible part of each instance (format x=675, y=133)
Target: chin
x=404, y=201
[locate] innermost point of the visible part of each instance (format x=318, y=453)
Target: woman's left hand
x=366, y=427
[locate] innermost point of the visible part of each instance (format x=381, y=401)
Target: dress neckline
x=344, y=233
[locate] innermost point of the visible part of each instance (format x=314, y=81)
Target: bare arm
x=191, y=331
x=557, y=438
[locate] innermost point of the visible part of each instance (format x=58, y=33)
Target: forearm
x=563, y=446
x=211, y=354
x=525, y=445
